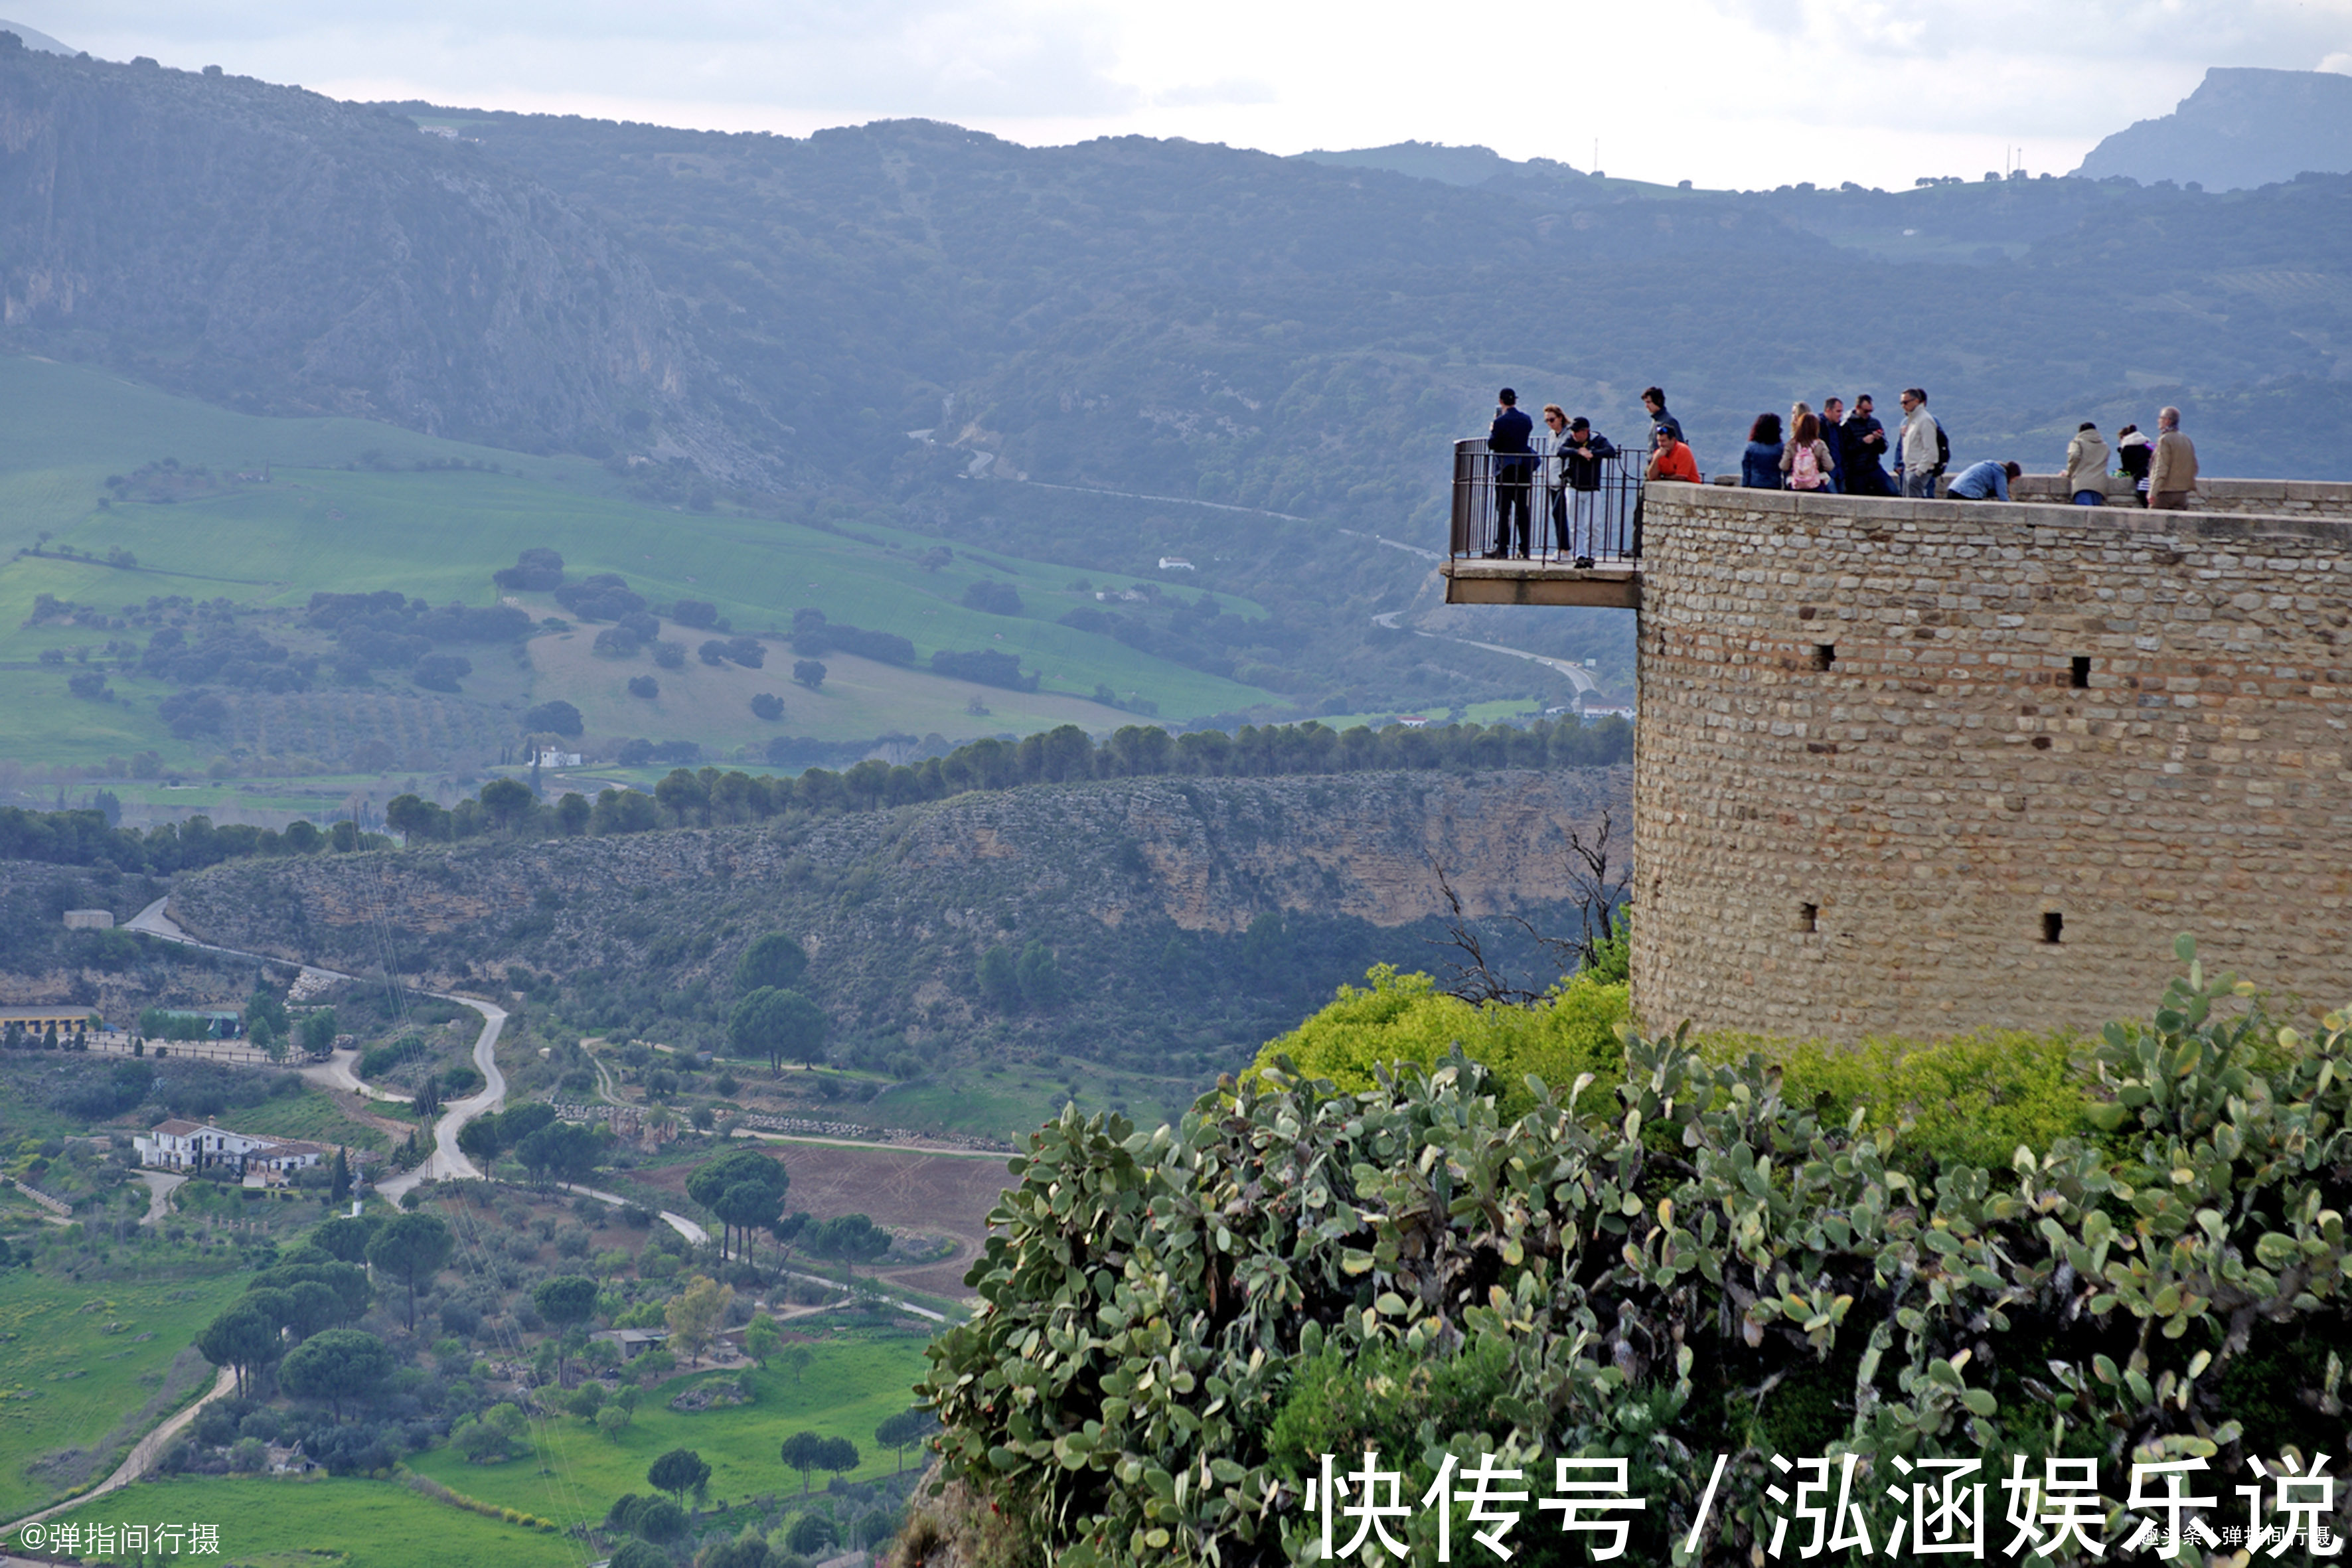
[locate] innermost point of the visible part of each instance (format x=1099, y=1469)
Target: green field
x=437, y=534
x=348, y=1522
x=77, y=1360
x=575, y=1473
x=311, y=1114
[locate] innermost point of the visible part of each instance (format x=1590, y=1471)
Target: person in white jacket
x=2086, y=467
x=1915, y=450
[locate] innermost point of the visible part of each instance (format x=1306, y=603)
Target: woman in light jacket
x=2086, y=467
x=1805, y=461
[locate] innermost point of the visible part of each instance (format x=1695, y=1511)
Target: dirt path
x=160, y=1185
x=142, y=1458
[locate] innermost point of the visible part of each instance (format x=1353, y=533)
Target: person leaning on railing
x=1671, y=460
x=1578, y=451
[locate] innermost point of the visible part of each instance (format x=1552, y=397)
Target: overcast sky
x=1726, y=93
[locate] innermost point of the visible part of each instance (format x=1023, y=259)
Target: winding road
x=446, y=1163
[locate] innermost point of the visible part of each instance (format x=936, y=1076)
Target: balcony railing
x=1527, y=507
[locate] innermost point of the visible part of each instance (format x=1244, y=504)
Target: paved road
x=446, y=1163
x=1576, y=674
x=159, y=1187
x=676, y=1222
x=336, y=1072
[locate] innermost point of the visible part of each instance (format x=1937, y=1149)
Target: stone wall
x=1930, y=766
x=2267, y=498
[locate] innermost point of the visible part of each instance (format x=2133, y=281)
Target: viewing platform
x=1581, y=541
x=1531, y=530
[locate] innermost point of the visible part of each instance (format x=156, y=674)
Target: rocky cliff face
x=270, y=249
x=1238, y=898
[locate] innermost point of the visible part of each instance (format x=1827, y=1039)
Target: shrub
x=768, y=705
x=996, y=599
x=644, y=686
x=1687, y=1260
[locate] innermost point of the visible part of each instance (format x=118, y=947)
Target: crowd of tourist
x=1836, y=451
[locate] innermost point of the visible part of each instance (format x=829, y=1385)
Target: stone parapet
x=1931, y=766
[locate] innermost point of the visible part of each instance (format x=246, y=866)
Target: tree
x=695, y=1313
x=904, y=1430
x=412, y=1245
x=851, y=1238
x=478, y=1141
x=507, y=802
x=265, y=1007
x=776, y=961
x=804, y=1451
x=587, y=1401
x=797, y=1360
x=812, y=1533
x=787, y=1229
x=558, y=718
x=640, y=1553
x=339, y=1365
x=494, y=1436
x=318, y=1032
x=242, y=1338
x=761, y=1338
x=840, y=1456
x=1000, y=977
x=565, y=1303
x=339, y=1184
x=659, y=1520
x=1039, y=976
x=560, y=1150
x=679, y=1472
x=776, y=1024
x=572, y=814
x=611, y=1419
x=808, y=672
x=714, y=1180
x=346, y=1239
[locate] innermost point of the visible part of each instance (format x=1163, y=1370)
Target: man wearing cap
x=1583, y=451
x=1515, y=463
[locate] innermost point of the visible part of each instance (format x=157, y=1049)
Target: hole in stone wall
x=2080, y=679
x=1824, y=655
x=1809, y=917
x=2053, y=926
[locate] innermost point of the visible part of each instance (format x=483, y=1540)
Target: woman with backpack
x=1806, y=459
x=1760, y=465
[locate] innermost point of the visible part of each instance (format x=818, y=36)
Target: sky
x=1727, y=93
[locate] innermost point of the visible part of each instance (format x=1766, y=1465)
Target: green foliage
x=776, y=959
x=411, y=1247
x=336, y=1365
x=1404, y=1019
x=1644, y=1269
x=777, y=1025
x=679, y=1472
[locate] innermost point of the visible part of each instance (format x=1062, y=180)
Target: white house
x=181, y=1146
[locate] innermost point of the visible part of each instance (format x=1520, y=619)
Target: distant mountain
x=35, y=39
x=2242, y=128
x=1422, y=160
x=282, y=253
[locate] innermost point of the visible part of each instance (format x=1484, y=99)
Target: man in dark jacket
x=1865, y=440
x=1653, y=403
x=1583, y=451
x=1515, y=464
x=1833, y=437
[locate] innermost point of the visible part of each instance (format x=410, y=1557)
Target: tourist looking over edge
x=1653, y=399
x=1671, y=460
x=1834, y=432
x=1984, y=481
x=1866, y=449
x=2134, y=453
x=1584, y=449
x=1806, y=458
x=1916, y=451
x=1514, y=465
x=1552, y=446
x=1760, y=465
x=2173, y=474
x=2086, y=467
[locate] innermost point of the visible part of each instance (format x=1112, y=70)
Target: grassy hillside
x=352, y=507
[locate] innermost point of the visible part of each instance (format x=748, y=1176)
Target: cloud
x=1219, y=93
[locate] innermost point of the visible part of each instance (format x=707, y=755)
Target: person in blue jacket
x=1760, y=465
x=1983, y=481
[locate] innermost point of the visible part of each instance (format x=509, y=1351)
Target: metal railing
x=1510, y=506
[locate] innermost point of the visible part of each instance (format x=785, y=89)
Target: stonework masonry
x=1922, y=767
